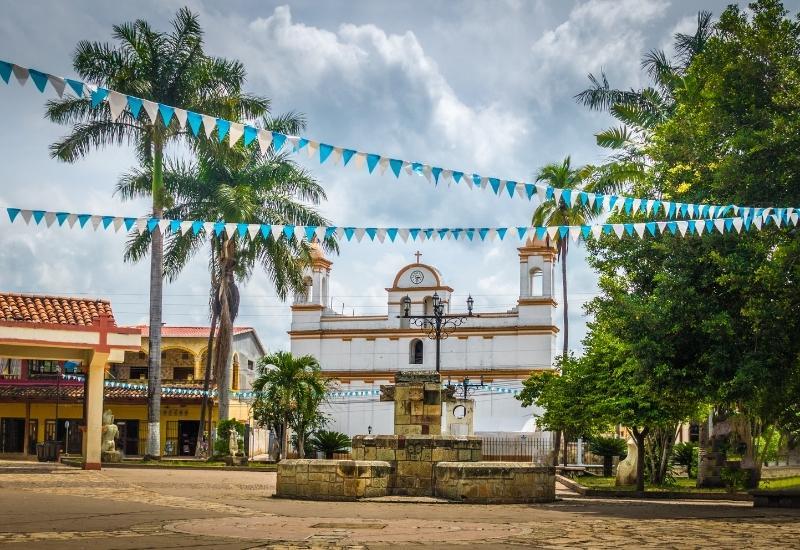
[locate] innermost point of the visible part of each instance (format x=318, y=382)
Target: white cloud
x=597, y=34
x=362, y=67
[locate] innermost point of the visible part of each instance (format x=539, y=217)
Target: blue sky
x=479, y=86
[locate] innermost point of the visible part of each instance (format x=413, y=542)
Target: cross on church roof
x=418, y=254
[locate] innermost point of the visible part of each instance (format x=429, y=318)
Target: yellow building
x=183, y=360
x=43, y=378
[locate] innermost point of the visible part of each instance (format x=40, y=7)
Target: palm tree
x=169, y=68
x=553, y=213
x=236, y=185
x=290, y=392
x=640, y=111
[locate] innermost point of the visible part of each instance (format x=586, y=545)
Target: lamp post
x=439, y=325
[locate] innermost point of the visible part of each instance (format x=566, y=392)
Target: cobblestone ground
x=44, y=506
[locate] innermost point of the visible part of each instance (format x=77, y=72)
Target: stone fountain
x=417, y=460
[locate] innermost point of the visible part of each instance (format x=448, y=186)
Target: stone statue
x=626, y=470
x=233, y=442
x=110, y=431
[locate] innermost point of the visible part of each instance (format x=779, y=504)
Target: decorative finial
x=418, y=254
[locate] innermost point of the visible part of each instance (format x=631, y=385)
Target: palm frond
x=614, y=138
x=689, y=45
x=600, y=96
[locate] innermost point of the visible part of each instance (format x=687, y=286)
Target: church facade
x=361, y=352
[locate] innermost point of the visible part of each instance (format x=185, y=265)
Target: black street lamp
x=439, y=325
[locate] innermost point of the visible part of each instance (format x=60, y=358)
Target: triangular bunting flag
x=116, y=103
x=151, y=108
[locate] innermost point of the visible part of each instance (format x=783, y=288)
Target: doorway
x=187, y=437
x=12, y=435
x=68, y=434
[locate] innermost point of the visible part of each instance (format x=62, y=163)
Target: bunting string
x=233, y=132
x=778, y=217
x=250, y=394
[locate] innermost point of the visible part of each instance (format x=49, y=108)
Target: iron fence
x=538, y=448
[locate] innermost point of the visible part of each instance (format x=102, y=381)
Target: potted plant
x=330, y=442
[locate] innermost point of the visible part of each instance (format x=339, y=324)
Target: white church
x=362, y=352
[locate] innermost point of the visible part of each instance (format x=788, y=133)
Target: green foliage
x=330, y=442
x=711, y=320
x=733, y=478
x=686, y=454
x=290, y=392
x=224, y=429
x=566, y=397
x=608, y=446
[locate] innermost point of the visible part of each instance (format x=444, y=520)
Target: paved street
x=44, y=506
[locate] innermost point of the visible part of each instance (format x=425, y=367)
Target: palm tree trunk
x=206, y=384
x=154, y=334
x=563, y=244
x=563, y=253
x=225, y=336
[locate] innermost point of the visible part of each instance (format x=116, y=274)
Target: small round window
x=459, y=411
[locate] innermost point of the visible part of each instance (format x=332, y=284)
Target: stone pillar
x=417, y=400
x=94, y=411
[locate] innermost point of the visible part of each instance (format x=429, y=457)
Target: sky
x=481, y=86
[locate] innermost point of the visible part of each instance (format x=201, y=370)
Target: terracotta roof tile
x=56, y=310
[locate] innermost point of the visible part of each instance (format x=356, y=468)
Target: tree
x=166, y=67
x=554, y=212
x=236, y=185
x=290, y=391
x=563, y=396
x=330, y=442
x=728, y=302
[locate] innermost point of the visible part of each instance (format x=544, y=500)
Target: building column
x=26, y=439
x=94, y=411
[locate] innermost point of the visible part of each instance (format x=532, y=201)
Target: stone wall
x=413, y=457
x=332, y=479
x=495, y=482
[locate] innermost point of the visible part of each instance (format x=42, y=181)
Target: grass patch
x=780, y=483
x=682, y=484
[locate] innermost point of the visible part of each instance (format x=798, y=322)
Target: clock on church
x=417, y=276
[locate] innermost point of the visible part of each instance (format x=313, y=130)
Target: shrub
x=608, y=447
x=330, y=442
x=733, y=478
x=685, y=454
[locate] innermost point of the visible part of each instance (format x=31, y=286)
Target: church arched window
x=415, y=352
x=309, y=289
x=537, y=288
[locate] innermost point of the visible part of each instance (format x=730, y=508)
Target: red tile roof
x=168, y=331
x=53, y=310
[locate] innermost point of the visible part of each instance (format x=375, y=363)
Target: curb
x=156, y=466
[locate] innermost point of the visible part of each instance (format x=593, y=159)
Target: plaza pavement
x=49, y=506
